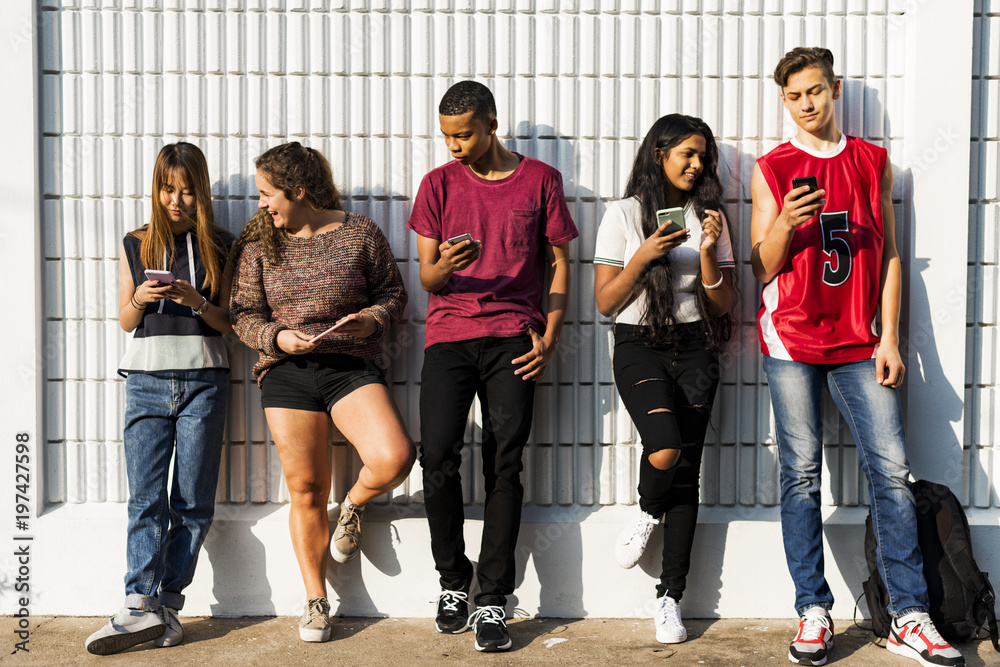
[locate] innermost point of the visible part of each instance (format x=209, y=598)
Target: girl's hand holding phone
x=660, y=243
x=183, y=293
x=356, y=324
x=150, y=291
x=295, y=342
x=359, y=325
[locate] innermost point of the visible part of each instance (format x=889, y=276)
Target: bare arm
x=771, y=228
x=614, y=287
x=439, y=260
x=720, y=298
x=544, y=347
x=132, y=302
x=889, y=368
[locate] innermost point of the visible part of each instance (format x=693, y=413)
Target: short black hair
x=466, y=96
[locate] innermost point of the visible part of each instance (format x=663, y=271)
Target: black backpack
x=961, y=597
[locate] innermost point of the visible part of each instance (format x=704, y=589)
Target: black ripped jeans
x=668, y=392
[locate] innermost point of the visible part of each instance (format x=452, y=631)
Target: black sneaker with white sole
x=491, y=630
x=452, y=612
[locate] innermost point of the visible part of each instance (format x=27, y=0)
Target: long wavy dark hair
x=648, y=184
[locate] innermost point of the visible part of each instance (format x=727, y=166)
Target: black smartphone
x=805, y=180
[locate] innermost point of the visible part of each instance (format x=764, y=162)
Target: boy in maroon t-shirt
x=486, y=335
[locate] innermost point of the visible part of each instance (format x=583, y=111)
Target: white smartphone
x=164, y=277
x=333, y=328
x=461, y=237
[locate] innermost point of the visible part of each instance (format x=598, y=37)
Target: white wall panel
x=577, y=84
x=980, y=374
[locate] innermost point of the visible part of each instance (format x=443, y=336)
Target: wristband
x=715, y=286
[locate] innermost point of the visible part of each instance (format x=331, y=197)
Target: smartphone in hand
x=806, y=180
x=460, y=238
x=675, y=216
x=333, y=328
x=164, y=277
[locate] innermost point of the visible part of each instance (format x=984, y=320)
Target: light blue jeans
x=179, y=415
x=874, y=415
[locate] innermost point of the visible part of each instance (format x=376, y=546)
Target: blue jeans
x=165, y=411
x=874, y=415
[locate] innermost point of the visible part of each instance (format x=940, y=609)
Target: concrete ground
x=407, y=641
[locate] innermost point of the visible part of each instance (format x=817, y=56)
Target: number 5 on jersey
x=836, y=228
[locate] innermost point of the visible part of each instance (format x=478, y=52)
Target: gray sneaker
x=347, y=536
x=314, y=626
x=128, y=628
x=174, y=633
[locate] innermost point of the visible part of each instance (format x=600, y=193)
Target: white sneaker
x=128, y=628
x=667, y=618
x=814, y=639
x=633, y=538
x=914, y=636
x=174, y=633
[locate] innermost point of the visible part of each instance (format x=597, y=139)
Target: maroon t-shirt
x=499, y=294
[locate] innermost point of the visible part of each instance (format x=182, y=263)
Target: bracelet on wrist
x=715, y=286
x=135, y=302
x=202, y=309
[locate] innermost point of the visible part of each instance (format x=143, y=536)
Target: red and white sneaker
x=914, y=636
x=815, y=638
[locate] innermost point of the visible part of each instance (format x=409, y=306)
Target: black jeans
x=453, y=374
x=681, y=378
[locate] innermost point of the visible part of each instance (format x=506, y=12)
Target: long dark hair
x=648, y=184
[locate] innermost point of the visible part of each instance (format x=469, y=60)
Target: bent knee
x=393, y=466
x=665, y=459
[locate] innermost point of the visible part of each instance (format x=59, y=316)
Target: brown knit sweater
x=319, y=280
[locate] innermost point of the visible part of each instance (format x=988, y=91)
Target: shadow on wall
x=936, y=461
x=941, y=460
x=239, y=561
x=555, y=548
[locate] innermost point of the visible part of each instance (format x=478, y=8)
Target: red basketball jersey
x=821, y=306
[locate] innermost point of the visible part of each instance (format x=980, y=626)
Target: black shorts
x=315, y=382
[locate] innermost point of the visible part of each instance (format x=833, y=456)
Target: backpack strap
x=987, y=601
x=973, y=579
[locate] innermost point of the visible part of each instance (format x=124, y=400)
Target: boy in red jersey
x=828, y=260
x=486, y=335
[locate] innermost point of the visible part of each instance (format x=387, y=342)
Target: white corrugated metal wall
x=982, y=465
x=577, y=84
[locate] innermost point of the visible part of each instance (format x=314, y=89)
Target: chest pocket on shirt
x=522, y=228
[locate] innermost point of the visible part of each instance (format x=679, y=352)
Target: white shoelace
x=922, y=624
x=814, y=626
x=642, y=528
x=670, y=612
x=491, y=614
x=450, y=599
